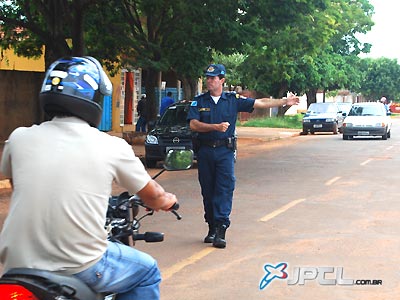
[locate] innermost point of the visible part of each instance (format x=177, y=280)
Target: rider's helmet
x=75, y=86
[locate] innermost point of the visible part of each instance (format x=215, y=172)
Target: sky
x=384, y=34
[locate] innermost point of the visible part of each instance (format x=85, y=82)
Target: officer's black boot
x=219, y=240
x=210, y=235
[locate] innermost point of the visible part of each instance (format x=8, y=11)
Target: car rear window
x=322, y=108
x=367, y=110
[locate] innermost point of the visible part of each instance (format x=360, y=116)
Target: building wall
x=19, y=103
x=10, y=61
x=20, y=82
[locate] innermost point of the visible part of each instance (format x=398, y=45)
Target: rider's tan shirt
x=62, y=173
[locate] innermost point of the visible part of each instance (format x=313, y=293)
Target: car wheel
x=304, y=132
x=385, y=136
x=345, y=137
x=312, y=131
x=150, y=163
x=388, y=134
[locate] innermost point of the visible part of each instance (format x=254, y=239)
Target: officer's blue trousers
x=217, y=181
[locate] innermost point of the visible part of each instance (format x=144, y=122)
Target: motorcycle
x=122, y=224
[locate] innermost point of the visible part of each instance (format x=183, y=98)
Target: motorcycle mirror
x=176, y=160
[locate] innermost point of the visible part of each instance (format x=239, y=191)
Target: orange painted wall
x=10, y=61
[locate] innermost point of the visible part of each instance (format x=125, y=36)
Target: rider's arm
x=154, y=196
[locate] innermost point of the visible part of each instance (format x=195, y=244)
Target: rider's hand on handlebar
x=169, y=201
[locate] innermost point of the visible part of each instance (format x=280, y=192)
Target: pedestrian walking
x=165, y=102
x=142, y=113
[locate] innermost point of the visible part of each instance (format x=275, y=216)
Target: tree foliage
x=57, y=27
x=381, y=77
x=312, y=50
x=269, y=46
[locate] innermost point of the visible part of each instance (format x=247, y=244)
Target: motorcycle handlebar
x=136, y=199
x=173, y=210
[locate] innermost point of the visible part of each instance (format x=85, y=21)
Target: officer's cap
x=215, y=70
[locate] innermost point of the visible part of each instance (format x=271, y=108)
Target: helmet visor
x=73, y=77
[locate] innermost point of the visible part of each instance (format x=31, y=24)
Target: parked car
x=322, y=117
x=367, y=119
x=170, y=132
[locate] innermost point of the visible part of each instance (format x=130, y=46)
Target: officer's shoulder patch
x=240, y=96
x=194, y=103
x=199, y=95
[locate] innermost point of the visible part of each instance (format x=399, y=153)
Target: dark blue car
x=322, y=117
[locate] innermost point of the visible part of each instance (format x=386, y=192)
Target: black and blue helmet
x=75, y=86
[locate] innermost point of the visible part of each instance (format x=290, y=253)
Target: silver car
x=367, y=119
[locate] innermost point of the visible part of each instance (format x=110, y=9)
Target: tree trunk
x=282, y=93
x=311, y=96
x=78, y=44
x=189, y=86
x=151, y=84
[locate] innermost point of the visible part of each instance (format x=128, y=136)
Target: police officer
x=213, y=115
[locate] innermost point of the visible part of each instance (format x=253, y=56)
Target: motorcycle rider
x=62, y=172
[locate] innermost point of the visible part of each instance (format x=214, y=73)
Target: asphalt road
x=315, y=205
x=325, y=207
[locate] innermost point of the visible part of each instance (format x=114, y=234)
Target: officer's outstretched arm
x=268, y=102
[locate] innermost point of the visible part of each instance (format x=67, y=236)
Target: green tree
x=173, y=36
x=381, y=77
x=312, y=49
x=155, y=35
x=58, y=26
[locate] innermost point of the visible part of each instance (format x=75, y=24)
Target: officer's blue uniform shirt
x=204, y=109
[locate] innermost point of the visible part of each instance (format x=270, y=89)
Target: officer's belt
x=214, y=143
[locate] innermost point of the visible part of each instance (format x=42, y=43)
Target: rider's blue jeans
x=126, y=271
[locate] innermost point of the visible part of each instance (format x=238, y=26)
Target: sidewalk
x=263, y=134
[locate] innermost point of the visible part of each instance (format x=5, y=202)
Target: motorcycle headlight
x=151, y=139
x=306, y=120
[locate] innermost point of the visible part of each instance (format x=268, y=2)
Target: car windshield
x=366, y=110
x=175, y=115
x=322, y=108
